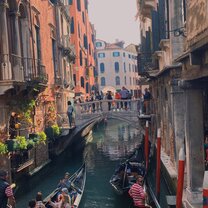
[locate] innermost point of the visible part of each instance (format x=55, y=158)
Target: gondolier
x=138, y=194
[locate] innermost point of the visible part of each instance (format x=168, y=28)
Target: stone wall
x=40, y=156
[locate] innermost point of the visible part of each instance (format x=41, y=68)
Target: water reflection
x=117, y=139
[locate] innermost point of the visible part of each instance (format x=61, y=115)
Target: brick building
x=83, y=37
x=35, y=65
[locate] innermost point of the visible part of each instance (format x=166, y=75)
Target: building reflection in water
x=116, y=140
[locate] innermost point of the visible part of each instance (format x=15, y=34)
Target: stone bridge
x=128, y=110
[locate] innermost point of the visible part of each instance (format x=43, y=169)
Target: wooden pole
x=158, y=172
x=147, y=144
x=205, y=190
x=181, y=167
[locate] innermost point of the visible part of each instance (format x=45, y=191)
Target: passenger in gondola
x=65, y=182
x=39, y=201
x=63, y=201
x=32, y=203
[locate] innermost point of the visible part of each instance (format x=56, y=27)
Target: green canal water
x=103, y=148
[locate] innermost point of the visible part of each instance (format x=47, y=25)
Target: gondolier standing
x=137, y=193
x=6, y=193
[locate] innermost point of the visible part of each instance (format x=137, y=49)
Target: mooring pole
x=146, y=142
x=181, y=167
x=158, y=172
x=205, y=190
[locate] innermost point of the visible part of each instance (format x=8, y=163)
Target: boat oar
x=124, y=175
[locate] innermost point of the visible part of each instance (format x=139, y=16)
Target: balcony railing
x=65, y=42
x=145, y=63
x=16, y=68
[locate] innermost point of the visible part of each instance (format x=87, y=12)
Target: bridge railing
x=106, y=106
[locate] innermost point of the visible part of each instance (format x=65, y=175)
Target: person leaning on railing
x=147, y=97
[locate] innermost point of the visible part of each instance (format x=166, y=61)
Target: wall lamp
x=179, y=31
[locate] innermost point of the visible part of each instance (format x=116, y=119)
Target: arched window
x=72, y=25
x=82, y=81
x=80, y=57
x=117, y=80
x=102, y=68
x=116, y=67
x=102, y=80
x=125, y=80
x=124, y=67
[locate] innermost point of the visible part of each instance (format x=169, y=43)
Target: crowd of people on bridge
x=123, y=96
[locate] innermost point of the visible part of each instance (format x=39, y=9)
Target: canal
x=103, y=148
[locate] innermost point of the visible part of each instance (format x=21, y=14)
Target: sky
x=115, y=19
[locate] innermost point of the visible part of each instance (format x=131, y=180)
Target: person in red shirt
x=137, y=193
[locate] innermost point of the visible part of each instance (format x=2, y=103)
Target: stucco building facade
x=117, y=66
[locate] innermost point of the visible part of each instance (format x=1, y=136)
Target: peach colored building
x=83, y=37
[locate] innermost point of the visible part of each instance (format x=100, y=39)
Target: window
x=124, y=67
x=102, y=80
x=54, y=54
x=98, y=44
x=90, y=52
x=86, y=4
x=117, y=80
x=70, y=2
x=79, y=33
x=116, y=67
x=74, y=78
x=38, y=47
x=72, y=25
x=101, y=55
x=85, y=41
x=82, y=81
x=83, y=17
x=102, y=68
x=116, y=54
x=87, y=87
x=124, y=55
x=125, y=80
x=129, y=67
x=80, y=58
x=79, y=5
x=129, y=56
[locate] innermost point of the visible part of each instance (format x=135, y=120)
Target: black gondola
x=126, y=173
x=77, y=188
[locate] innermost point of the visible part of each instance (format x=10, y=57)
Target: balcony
x=145, y=63
x=34, y=71
x=15, y=70
x=146, y=6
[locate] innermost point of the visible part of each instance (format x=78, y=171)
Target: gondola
x=77, y=188
x=126, y=172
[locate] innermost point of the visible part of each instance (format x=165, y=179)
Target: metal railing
x=17, y=68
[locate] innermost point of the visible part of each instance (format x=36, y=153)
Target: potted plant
x=56, y=130
x=42, y=137
x=3, y=148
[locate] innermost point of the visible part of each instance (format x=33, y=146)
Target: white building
x=117, y=66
